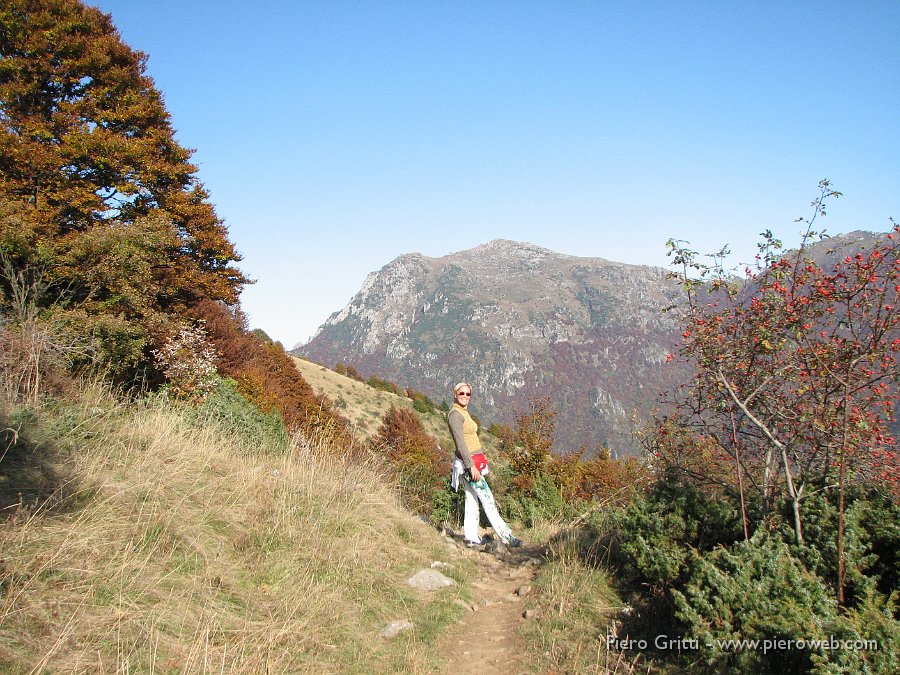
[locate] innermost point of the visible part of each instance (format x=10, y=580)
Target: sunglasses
x=464, y=393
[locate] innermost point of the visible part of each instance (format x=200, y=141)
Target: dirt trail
x=487, y=639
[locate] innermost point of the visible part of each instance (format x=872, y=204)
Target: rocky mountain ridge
x=517, y=321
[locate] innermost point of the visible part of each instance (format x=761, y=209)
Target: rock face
x=517, y=321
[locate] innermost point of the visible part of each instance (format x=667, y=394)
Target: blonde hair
x=460, y=385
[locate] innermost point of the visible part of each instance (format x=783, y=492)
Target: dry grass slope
x=575, y=609
x=365, y=406
x=174, y=551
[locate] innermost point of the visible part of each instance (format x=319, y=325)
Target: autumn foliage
x=418, y=465
x=796, y=380
x=544, y=482
x=111, y=254
x=599, y=477
x=772, y=513
x=267, y=375
x=796, y=372
x=99, y=205
x=528, y=448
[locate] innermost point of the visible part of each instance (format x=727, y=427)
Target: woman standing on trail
x=465, y=435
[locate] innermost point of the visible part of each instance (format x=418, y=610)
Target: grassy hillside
x=140, y=539
x=364, y=406
x=153, y=536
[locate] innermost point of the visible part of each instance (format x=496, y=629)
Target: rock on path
x=430, y=580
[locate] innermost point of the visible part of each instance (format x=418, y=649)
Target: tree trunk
x=792, y=490
x=794, y=494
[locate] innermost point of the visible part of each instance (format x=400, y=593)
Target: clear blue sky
x=334, y=136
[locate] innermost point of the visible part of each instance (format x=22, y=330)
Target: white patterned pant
x=481, y=492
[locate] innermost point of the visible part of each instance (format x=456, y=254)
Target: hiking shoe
x=514, y=542
x=479, y=545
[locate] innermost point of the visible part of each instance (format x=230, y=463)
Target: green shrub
x=648, y=544
x=542, y=501
x=680, y=552
x=656, y=534
x=422, y=405
x=447, y=506
x=236, y=417
x=878, y=518
x=421, y=402
x=380, y=384
x=871, y=542
x=867, y=637
x=103, y=343
x=754, y=591
x=759, y=593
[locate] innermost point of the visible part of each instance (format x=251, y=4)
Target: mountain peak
x=510, y=245
x=516, y=320
x=508, y=249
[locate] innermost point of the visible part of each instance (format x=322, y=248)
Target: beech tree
x=796, y=371
x=97, y=196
